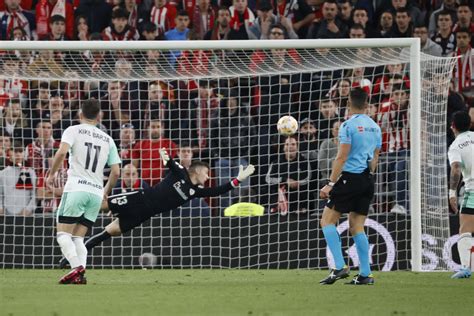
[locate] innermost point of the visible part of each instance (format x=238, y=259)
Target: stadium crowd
x=227, y=122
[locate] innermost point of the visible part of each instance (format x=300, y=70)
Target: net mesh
x=222, y=106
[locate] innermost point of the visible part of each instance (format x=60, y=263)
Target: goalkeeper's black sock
x=97, y=239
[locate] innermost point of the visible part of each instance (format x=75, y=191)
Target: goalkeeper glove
x=164, y=156
x=245, y=173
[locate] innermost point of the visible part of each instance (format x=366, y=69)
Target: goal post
x=193, y=82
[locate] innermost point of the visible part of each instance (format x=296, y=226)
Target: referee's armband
x=235, y=182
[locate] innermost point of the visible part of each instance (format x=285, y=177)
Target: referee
x=351, y=187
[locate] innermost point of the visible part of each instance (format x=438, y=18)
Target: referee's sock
x=97, y=239
x=362, y=246
x=334, y=242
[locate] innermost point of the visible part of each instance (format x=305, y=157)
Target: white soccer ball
x=287, y=125
x=147, y=260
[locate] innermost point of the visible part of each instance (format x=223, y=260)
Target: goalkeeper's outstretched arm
x=244, y=173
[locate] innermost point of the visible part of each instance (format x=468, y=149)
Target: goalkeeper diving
x=131, y=209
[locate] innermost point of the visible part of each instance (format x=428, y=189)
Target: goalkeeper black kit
x=176, y=189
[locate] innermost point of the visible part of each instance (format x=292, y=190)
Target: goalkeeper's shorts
x=130, y=208
x=353, y=192
x=467, y=204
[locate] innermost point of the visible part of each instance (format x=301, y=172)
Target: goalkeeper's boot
x=464, y=273
x=63, y=263
x=362, y=280
x=336, y=275
x=72, y=275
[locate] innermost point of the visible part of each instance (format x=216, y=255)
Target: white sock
x=80, y=249
x=465, y=243
x=68, y=248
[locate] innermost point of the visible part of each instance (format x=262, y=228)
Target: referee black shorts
x=353, y=192
x=130, y=208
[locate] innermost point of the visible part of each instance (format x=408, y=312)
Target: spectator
x=395, y=141
x=471, y=114
x=120, y=30
x=179, y=33
x=444, y=36
x=357, y=31
x=241, y=15
x=361, y=17
x=150, y=32
x=15, y=124
x=15, y=17
x=463, y=72
x=448, y=6
x=403, y=26
x=288, y=178
x=382, y=83
x=265, y=18
x=57, y=25
x=202, y=18
x=427, y=45
x=222, y=29
x=47, y=64
x=163, y=15
x=12, y=85
x=233, y=135
x=340, y=93
x=294, y=14
x=117, y=109
x=196, y=117
x=385, y=23
x=325, y=116
x=345, y=12
x=97, y=14
x=309, y=143
x=17, y=187
x=464, y=16
x=329, y=26
x=50, y=198
x=46, y=9
x=81, y=31
x=39, y=154
x=127, y=142
x=145, y=154
x=328, y=150
x=130, y=181
x=135, y=16
x=5, y=151
x=19, y=34
x=416, y=17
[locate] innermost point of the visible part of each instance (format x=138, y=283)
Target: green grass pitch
x=231, y=292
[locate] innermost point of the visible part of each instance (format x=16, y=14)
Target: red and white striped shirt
x=130, y=34
x=395, y=126
x=163, y=17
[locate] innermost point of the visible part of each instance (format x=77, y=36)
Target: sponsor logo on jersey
x=191, y=192
x=177, y=187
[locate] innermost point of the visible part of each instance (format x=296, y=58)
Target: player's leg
x=69, y=214
x=113, y=229
x=356, y=226
x=329, y=220
x=466, y=232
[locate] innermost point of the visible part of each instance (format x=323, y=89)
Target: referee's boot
x=362, y=280
x=63, y=263
x=336, y=275
x=73, y=275
x=464, y=273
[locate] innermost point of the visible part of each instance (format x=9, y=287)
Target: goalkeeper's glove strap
x=235, y=182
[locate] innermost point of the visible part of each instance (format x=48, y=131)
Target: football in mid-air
x=287, y=125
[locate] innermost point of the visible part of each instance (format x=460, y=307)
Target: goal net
x=219, y=102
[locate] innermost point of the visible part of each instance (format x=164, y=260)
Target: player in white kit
x=461, y=159
x=89, y=150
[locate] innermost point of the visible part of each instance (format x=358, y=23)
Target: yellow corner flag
x=244, y=209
